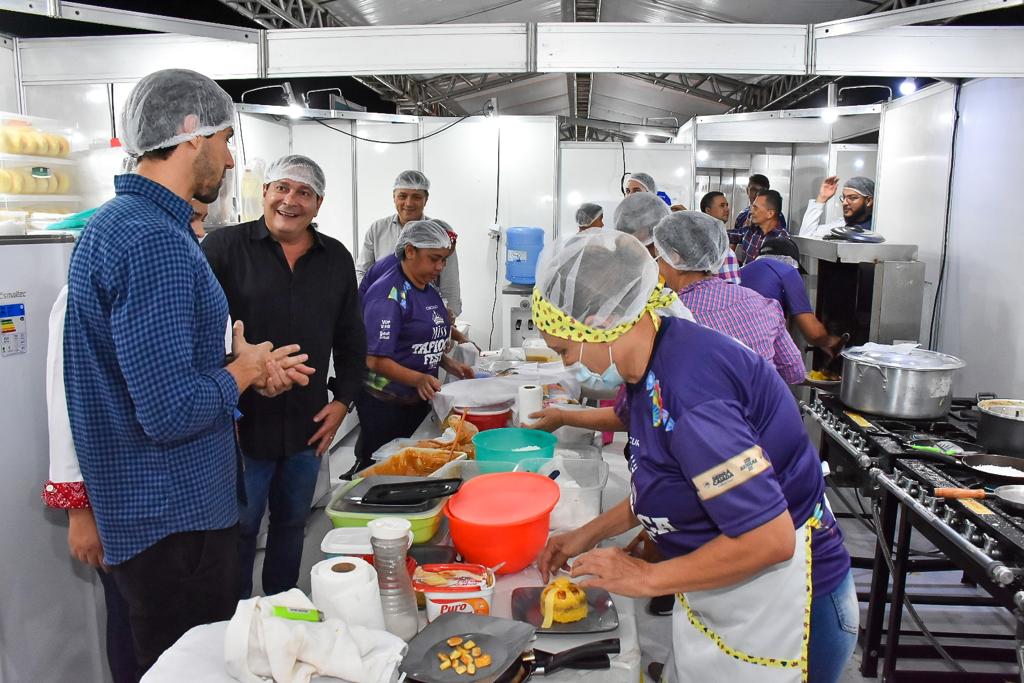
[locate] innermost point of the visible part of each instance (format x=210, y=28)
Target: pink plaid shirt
x=730, y=270
x=748, y=317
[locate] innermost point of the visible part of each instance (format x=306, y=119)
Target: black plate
x=601, y=615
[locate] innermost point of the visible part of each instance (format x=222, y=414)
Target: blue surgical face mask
x=609, y=380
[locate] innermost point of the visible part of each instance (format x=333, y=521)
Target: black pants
x=124, y=667
x=381, y=421
x=184, y=580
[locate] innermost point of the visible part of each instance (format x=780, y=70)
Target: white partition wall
x=376, y=166
x=810, y=167
x=466, y=189
x=914, y=150
x=981, y=317
x=592, y=172
x=333, y=151
x=8, y=76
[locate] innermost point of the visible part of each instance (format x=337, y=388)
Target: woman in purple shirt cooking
x=723, y=477
x=407, y=332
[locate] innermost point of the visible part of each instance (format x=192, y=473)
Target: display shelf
x=38, y=198
x=31, y=160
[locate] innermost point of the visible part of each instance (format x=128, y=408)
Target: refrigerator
x=51, y=606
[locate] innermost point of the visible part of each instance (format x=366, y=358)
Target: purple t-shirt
x=406, y=324
x=777, y=280
x=376, y=271
x=717, y=446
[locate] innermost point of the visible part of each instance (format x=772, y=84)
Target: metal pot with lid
x=900, y=381
x=1001, y=426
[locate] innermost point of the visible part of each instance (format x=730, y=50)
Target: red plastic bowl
x=502, y=517
x=487, y=418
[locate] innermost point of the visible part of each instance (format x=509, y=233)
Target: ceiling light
x=858, y=163
x=295, y=111
x=702, y=155
x=640, y=138
x=830, y=115
x=908, y=86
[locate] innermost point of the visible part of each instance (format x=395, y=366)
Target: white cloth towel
x=259, y=646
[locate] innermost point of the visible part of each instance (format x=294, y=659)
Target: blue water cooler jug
x=521, y=253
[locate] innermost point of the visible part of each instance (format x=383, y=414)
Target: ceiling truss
x=439, y=95
x=285, y=13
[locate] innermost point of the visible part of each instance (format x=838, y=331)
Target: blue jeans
x=835, y=619
x=287, y=484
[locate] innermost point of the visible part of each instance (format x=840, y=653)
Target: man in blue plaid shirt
x=149, y=395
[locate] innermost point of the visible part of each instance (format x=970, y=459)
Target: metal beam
x=619, y=127
x=286, y=13
x=457, y=86
x=922, y=12
x=581, y=85
x=711, y=88
x=153, y=22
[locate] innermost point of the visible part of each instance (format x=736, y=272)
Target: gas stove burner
x=922, y=430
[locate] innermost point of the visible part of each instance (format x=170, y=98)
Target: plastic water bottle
x=389, y=537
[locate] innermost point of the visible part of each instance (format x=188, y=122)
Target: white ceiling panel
x=400, y=12
x=733, y=11
x=543, y=95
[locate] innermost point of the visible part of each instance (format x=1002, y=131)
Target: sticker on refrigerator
x=13, y=330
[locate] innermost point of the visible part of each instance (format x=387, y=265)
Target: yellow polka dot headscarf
x=595, y=286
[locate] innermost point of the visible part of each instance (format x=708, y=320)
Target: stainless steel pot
x=898, y=382
x=1001, y=427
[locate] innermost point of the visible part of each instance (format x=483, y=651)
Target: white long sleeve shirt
x=380, y=241
x=811, y=226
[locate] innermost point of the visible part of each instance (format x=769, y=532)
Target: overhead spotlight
x=830, y=115
x=294, y=107
x=908, y=86
x=702, y=155
x=640, y=138
x=858, y=163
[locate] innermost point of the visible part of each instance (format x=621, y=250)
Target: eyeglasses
x=850, y=198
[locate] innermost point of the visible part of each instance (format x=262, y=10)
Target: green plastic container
x=423, y=524
x=508, y=446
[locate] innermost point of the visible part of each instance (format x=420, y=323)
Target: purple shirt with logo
x=717, y=446
x=406, y=324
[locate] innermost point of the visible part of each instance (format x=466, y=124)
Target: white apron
x=757, y=630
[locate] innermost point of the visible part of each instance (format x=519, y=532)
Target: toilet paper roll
x=529, y=400
x=345, y=588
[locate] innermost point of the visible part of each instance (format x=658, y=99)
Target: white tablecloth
x=198, y=656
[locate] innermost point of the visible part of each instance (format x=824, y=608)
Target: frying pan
x=976, y=460
x=593, y=655
x=1011, y=495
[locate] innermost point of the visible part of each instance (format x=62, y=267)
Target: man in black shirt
x=287, y=281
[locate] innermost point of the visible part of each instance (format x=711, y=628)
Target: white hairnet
x=412, y=180
x=644, y=179
x=300, y=169
x=427, y=234
x=692, y=241
x=599, y=277
x=171, y=106
x=587, y=214
x=638, y=213
x=861, y=185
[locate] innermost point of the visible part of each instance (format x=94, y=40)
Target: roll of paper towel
x=529, y=400
x=345, y=588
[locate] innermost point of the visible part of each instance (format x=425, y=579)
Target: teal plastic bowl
x=508, y=446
